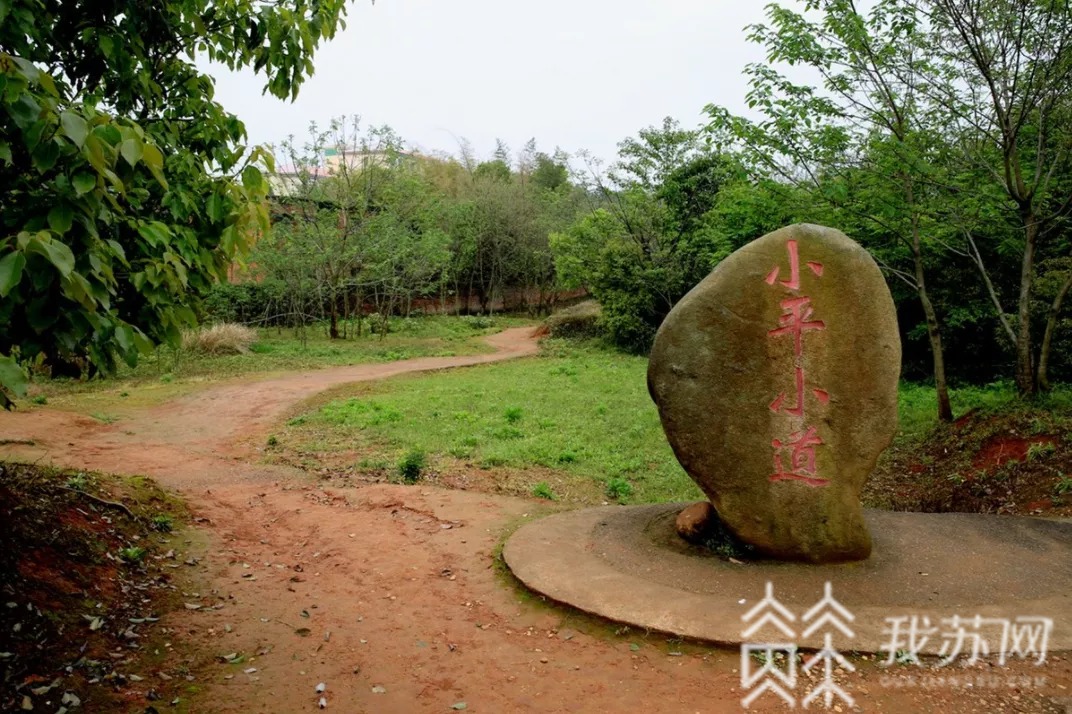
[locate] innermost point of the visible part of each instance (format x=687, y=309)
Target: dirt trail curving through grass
x=387, y=594
x=200, y=439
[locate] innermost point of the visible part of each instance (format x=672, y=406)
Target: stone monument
x=776, y=382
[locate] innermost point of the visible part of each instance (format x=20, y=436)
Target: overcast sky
x=578, y=74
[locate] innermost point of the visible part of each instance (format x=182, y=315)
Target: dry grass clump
x=225, y=338
x=579, y=321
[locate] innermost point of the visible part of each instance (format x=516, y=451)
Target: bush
x=543, y=490
x=132, y=555
x=163, y=522
x=619, y=489
x=478, y=322
x=412, y=465
x=226, y=338
x=260, y=302
x=579, y=321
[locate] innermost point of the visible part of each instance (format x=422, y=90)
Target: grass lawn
x=581, y=411
x=577, y=412
x=168, y=372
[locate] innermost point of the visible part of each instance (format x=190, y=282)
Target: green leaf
x=10, y=271
x=214, y=208
x=143, y=343
x=77, y=288
x=252, y=178
x=24, y=112
x=44, y=158
x=12, y=376
x=227, y=240
x=118, y=249
x=155, y=161
x=155, y=233
x=75, y=127
x=125, y=337
x=60, y=218
x=84, y=182
x=94, y=153
x=107, y=45
x=56, y=251
x=5, y=149
x=131, y=150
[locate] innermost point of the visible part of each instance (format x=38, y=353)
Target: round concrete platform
x=629, y=565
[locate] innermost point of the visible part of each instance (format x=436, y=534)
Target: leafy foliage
x=126, y=189
x=412, y=465
x=957, y=192
x=656, y=231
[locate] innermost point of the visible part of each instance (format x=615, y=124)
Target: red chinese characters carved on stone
x=796, y=320
x=794, y=268
x=779, y=403
x=801, y=467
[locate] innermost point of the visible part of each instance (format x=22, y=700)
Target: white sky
x=579, y=74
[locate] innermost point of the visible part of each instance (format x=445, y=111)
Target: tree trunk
x=941, y=387
x=1047, y=337
x=333, y=329
x=359, y=309
x=1025, y=373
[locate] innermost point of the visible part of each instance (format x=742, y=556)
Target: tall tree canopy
x=936, y=131
x=125, y=188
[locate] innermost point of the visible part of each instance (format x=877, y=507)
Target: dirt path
x=390, y=594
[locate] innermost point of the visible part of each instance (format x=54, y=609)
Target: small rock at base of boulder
x=696, y=522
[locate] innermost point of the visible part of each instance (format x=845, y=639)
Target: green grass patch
x=918, y=405
x=580, y=410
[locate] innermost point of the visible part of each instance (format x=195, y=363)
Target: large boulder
x=776, y=382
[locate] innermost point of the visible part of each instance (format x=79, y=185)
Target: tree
x=358, y=223
x=500, y=221
x=1006, y=91
x=650, y=238
x=861, y=143
x=125, y=189
x=550, y=173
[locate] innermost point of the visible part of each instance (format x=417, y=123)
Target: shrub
x=262, y=302
x=579, y=321
x=163, y=523
x=1040, y=450
x=226, y=338
x=543, y=490
x=567, y=457
x=478, y=322
x=78, y=482
x=412, y=465
x=132, y=555
x=619, y=489
x=513, y=414
x=1062, y=487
